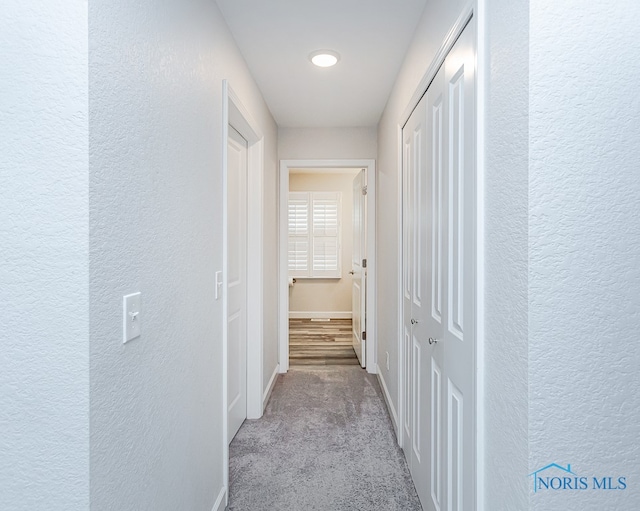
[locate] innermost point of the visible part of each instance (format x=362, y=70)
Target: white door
x=439, y=285
x=358, y=269
x=415, y=347
x=236, y=281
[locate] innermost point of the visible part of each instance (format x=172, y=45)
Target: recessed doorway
x=316, y=276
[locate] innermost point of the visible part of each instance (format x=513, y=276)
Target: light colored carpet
x=325, y=443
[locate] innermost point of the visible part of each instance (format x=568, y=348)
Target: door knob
x=414, y=321
x=351, y=272
x=432, y=340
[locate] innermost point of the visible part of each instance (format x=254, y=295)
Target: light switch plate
x=131, y=317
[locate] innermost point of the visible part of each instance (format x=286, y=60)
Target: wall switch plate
x=218, y=285
x=131, y=317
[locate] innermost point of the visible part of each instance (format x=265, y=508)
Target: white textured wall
x=505, y=363
x=44, y=292
x=326, y=143
x=432, y=28
x=327, y=295
x=156, y=71
x=584, y=247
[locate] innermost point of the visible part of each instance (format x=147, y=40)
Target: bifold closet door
x=439, y=285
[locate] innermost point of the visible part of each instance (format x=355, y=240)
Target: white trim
x=225, y=297
x=481, y=66
x=438, y=60
x=320, y=315
x=325, y=171
x=235, y=114
x=372, y=265
x=270, y=385
x=255, y=295
x=400, y=280
x=221, y=501
x=387, y=398
x=283, y=269
x=283, y=287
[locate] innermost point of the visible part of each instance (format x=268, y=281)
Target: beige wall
x=326, y=295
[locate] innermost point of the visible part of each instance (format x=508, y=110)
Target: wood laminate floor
x=321, y=342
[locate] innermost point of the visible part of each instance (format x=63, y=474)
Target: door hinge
x=364, y=190
x=364, y=336
x=364, y=263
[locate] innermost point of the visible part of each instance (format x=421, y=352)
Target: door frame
x=467, y=15
x=283, y=234
x=234, y=113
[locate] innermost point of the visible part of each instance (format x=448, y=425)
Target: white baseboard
x=220, y=501
x=387, y=399
x=269, y=389
x=320, y=315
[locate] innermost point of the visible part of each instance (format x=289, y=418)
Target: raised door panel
x=406, y=355
x=435, y=213
x=420, y=298
x=459, y=316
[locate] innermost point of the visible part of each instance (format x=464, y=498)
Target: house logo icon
x=537, y=479
x=556, y=477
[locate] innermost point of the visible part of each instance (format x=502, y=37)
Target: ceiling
x=277, y=36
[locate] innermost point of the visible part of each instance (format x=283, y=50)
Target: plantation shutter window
x=314, y=234
x=298, y=234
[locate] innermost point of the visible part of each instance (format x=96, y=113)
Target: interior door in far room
x=236, y=281
x=439, y=285
x=358, y=266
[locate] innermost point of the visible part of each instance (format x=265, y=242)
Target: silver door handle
x=432, y=340
x=351, y=272
x=414, y=321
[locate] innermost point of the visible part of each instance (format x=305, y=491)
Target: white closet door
x=415, y=297
x=438, y=285
x=458, y=339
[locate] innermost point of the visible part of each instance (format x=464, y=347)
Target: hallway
x=325, y=442
x=119, y=367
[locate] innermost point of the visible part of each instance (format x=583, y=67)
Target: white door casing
x=283, y=235
x=439, y=285
x=235, y=114
x=236, y=281
x=358, y=272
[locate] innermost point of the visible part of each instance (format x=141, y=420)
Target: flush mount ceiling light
x=324, y=58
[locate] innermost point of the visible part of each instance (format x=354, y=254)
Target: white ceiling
x=277, y=36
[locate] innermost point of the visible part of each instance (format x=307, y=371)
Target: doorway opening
x=326, y=236
x=321, y=252
x=240, y=282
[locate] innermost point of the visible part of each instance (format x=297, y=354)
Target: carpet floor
x=325, y=443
